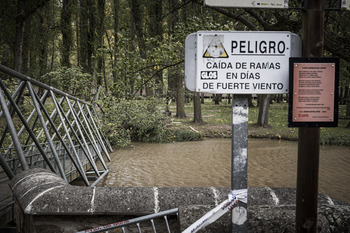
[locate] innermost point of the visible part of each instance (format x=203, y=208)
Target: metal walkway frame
x=58, y=130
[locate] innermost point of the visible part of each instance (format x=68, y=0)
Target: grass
x=217, y=121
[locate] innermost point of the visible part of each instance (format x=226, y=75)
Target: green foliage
x=137, y=66
x=136, y=120
x=338, y=140
x=180, y=134
x=70, y=80
x=344, y=73
x=129, y=70
x=140, y=120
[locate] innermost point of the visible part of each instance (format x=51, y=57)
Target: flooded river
x=206, y=163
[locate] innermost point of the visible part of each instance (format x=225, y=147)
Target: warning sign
x=240, y=62
x=215, y=48
x=345, y=4
x=248, y=3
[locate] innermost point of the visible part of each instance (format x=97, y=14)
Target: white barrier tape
x=241, y=194
x=218, y=211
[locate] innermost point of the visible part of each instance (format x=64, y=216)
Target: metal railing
x=41, y=126
x=137, y=221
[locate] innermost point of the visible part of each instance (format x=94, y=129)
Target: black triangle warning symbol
x=215, y=49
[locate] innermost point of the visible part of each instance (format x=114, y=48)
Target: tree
x=176, y=77
x=25, y=9
x=37, y=41
x=100, y=31
x=84, y=37
x=116, y=37
x=67, y=32
x=137, y=30
x=197, y=118
x=264, y=102
x=145, y=39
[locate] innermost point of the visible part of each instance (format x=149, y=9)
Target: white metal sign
x=345, y=4
x=248, y=3
x=240, y=62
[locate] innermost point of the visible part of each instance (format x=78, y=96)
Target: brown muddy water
x=271, y=163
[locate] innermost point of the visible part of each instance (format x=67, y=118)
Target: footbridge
x=43, y=127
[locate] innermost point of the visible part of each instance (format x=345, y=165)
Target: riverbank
x=217, y=123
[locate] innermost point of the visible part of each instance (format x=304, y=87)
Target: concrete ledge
x=273, y=211
x=44, y=200
x=40, y=192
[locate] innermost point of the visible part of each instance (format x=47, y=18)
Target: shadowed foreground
x=47, y=203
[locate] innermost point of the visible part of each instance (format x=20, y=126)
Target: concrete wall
x=46, y=203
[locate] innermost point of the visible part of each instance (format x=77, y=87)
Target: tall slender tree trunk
x=197, y=118
x=19, y=39
x=99, y=41
x=172, y=22
x=116, y=38
x=202, y=98
x=175, y=75
x=83, y=35
x=87, y=36
x=136, y=15
x=67, y=32
x=25, y=9
x=91, y=36
x=43, y=56
x=180, y=96
x=264, y=103
x=155, y=13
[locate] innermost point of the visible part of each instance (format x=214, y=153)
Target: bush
x=180, y=134
x=71, y=80
x=140, y=120
x=132, y=120
x=335, y=140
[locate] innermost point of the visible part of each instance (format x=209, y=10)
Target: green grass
x=215, y=116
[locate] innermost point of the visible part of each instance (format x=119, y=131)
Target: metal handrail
x=91, y=135
x=136, y=221
x=78, y=141
x=23, y=77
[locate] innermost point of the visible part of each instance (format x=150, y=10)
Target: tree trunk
x=264, y=103
x=217, y=98
x=25, y=9
x=86, y=35
x=250, y=101
x=347, y=113
x=43, y=56
x=197, y=118
x=136, y=18
x=91, y=36
x=99, y=43
x=83, y=35
x=180, y=96
x=19, y=40
x=172, y=23
x=67, y=32
x=348, y=107
x=116, y=37
x=155, y=14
